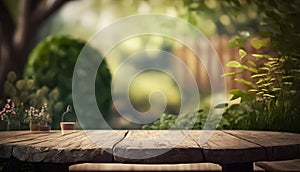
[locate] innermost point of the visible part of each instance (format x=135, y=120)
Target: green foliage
x=193, y=120
x=237, y=41
x=223, y=17
x=282, y=25
x=269, y=103
x=254, y=115
x=275, y=79
x=266, y=73
x=52, y=63
x=27, y=93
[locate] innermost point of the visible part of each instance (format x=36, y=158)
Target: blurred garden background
x=257, y=42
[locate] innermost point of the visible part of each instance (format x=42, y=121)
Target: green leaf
x=234, y=64
x=287, y=77
x=242, y=53
x=268, y=95
x=259, y=93
x=252, y=90
x=265, y=85
x=265, y=69
x=287, y=83
x=240, y=94
x=229, y=74
x=295, y=70
x=260, y=81
x=258, y=56
x=251, y=63
x=271, y=66
x=244, y=67
x=236, y=42
x=273, y=59
x=274, y=63
x=258, y=43
x=276, y=89
x=244, y=81
x=252, y=69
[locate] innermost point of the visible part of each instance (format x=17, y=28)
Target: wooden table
x=234, y=150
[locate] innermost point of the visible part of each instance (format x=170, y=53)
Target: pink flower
x=7, y=106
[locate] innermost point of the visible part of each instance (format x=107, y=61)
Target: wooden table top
x=150, y=146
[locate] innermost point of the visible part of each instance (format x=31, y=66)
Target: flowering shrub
x=12, y=115
x=10, y=111
x=39, y=115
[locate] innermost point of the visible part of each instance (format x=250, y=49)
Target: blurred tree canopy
x=228, y=17
x=20, y=21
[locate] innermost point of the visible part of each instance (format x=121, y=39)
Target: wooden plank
x=19, y=136
x=153, y=146
x=278, y=145
x=288, y=165
x=227, y=148
x=145, y=167
x=223, y=148
x=5, y=134
x=53, y=147
x=9, y=138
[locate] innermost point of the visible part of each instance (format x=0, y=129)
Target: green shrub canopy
x=52, y=63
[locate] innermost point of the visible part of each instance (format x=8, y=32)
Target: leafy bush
x=193, y=120
x=273, y=91
x=52, y=63
x=269, y=103
x=27, y=93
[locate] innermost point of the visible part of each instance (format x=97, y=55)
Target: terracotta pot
x=46, y=128
x=66, y=126
x=34, y=126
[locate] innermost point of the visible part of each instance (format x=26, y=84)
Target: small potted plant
x=32, y=118
x=39, y=119
x=66, y=125
x=11, y=114
x=45, y=118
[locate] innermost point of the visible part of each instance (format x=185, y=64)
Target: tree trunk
x=12, y=60
x=17, y=38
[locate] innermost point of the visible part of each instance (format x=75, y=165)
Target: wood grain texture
x=278, y=145
x=288, y=165
x=145, y=167
x=153, y=146
x=76, y=146
x=150, y=146
x=224, y=148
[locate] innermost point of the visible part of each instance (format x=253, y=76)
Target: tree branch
x=6, y=23
x=22, y=25
x=41, y=14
